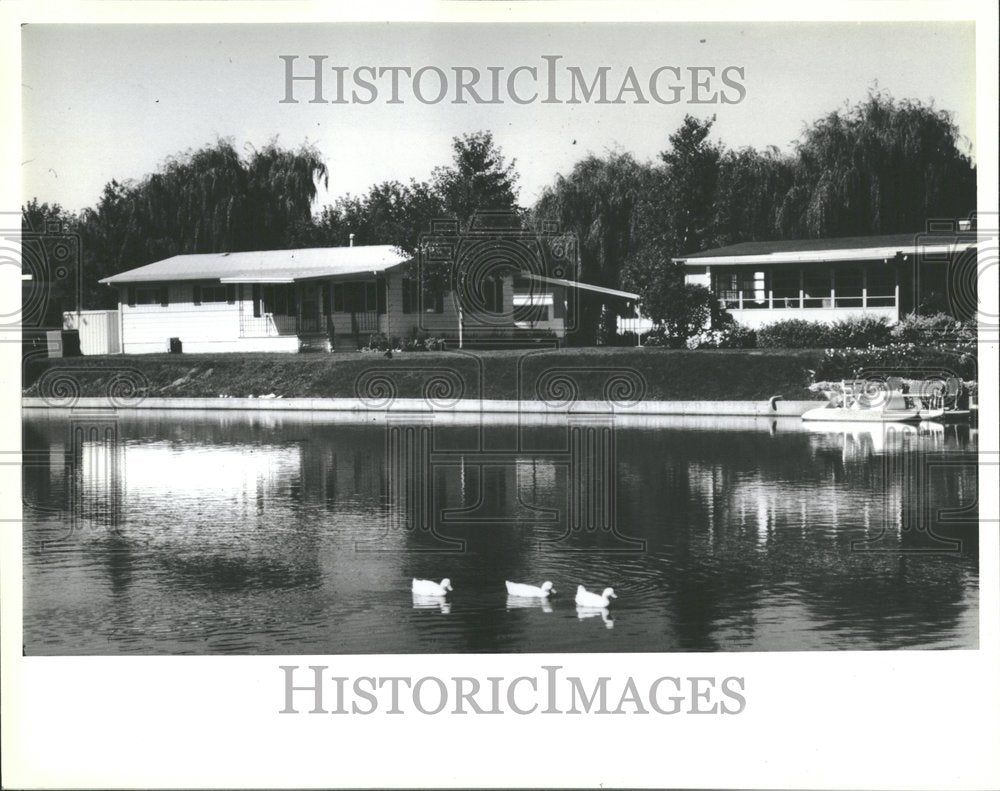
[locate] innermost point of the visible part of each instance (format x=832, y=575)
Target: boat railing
x=892, y=393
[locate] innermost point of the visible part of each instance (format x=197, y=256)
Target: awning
x=613, y=292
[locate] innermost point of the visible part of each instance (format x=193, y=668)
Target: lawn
x=624, y=374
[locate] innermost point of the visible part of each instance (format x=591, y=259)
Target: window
x=785, y=286
x=150, y=295
x=754, y=286
x=531, y=313
x=214, y=293
x=433, y=297
x=493, y=294
x=725, y=287
x=410, y=295
x=147, y=295
x=279, y=300
x=816, y=288
x=749, y=284
x=881, y=286
x=338, y=297
x=848, y=285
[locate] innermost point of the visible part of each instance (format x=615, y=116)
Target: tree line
x=880, y=166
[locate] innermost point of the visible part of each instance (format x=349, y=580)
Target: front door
x=311, y=308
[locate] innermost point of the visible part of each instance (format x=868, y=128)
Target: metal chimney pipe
x=351, y=236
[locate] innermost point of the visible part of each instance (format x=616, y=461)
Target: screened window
x=213, y=294
x=785, y=286
x=849, y=283
x=754, y=286
x=816, y=288
x=411, y=297
x=725, y=286
x=881, y=286
x=279, y=300
x=147, y=295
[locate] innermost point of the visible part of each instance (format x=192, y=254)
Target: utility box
x=175, y=346
x=62, y=343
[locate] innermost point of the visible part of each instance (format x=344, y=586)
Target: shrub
x=731, y=336
x=927, y=330
x=377, y=342
x=845, y=334
x=899, y=358
x=858, y=333
x=794, y=334
x=658, y=337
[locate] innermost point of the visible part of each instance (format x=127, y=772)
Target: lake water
x=221, y=533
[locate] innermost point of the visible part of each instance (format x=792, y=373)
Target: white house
x=832, y=279
x=288, y=300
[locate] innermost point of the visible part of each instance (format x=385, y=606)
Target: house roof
x=843, y=248
x=267, y=266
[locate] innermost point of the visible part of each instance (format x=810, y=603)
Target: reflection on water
x=528, y=603
x=274, y=533
x=596, y=612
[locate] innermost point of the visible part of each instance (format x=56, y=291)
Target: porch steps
x=344, y=342
x=318, y=342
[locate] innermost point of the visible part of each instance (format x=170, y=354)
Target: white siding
x=209, y=327
x=99, y=330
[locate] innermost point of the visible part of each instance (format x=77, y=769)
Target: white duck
x=431, y=588
x=587, y=599
x=529, y=591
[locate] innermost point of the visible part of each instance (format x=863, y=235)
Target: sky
x=104, y=102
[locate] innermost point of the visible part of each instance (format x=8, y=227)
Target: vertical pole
x=864, y=286
x=895, y=271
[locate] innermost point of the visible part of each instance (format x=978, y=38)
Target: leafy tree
x=681, y=309
x=479, y=177
x=691, y=178
x=50, y=255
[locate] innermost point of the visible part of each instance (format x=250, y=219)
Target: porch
x=759, y=295
x=326, y=313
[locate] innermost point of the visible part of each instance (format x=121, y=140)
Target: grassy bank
x=624, y=374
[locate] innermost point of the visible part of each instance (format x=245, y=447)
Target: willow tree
x=750, y=194
x=598, y=203
x=214, y=200
x=881, y=166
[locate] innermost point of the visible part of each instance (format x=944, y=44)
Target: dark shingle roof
x=903, y=241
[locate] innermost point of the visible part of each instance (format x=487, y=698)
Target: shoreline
x=409, y=406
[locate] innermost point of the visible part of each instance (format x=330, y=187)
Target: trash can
x=175, y=346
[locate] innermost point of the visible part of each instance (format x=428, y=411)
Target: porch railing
x=364, y=321
x=267, y=325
